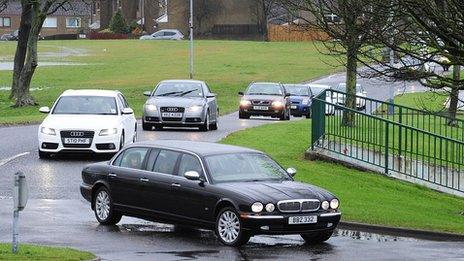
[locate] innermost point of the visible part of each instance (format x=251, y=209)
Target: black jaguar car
x=235, y=191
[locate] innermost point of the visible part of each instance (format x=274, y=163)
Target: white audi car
x=87, y=121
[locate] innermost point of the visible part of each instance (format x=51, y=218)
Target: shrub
x=118, y=24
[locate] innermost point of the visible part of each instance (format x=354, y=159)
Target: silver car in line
x=181, y=103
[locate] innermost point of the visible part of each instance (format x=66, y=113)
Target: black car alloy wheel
x=229, y=228
x=103, y=204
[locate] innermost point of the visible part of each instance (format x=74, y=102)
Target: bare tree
x=348, y=25
x=264, y=13
x=151, y=13
x=33, y=15
x=202, y=11
x=424, y=34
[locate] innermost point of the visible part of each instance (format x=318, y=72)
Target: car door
x=190, y=198
x=126, y=177
x=163, y=168
x=212, y=103
x=128, y=120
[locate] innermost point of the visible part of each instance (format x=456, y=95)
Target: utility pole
x=191, y=39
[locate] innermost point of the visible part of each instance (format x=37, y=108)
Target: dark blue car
x=300, y=99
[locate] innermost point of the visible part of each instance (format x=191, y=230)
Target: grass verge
x=133, y=66
x=365, y=197
x=34, y=252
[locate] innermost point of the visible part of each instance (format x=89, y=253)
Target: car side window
x=169, y=33
x=166, y=162
x=151, y=159
x=133, y=158
x=189, y=163
x=123, y=101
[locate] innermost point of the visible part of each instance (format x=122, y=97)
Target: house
x=68, y=21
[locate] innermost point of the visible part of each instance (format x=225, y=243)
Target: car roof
x=269, y=83
x=312, y=85
x=186, y=81
x=90, y=93
x=196, y=147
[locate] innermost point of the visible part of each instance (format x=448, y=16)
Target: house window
x=5, y=22
x=332, y=18
x=74, y=22
x=50, y=22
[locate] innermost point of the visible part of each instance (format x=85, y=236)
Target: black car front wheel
x=103, y=207
x=317, y=237
x=229, y=228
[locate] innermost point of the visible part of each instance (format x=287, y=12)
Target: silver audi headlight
x=108, y=132
x=151, y=107
x=334, y=203
x=195, y=108
x=257, y=207
x=325, y=205
x=270, y=207
x=48, y=131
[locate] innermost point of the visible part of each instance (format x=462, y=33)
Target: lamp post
x=191, y=39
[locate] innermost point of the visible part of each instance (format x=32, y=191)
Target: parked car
x=167, y=34
x=236, y=192
x=340, y=98
x=10, y=37
x=265, y=99
x=300, y=99
x=87, y=121
x=316, y=89
x=181, y=103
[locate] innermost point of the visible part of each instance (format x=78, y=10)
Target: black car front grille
x=172, y=109
x=261, y=103
x=295, y=206
x=173, y=119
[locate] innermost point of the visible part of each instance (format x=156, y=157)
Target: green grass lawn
x=32, y=252
x=365, y=197
x=133, y=66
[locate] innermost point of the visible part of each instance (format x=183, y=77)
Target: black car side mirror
x=241, y=93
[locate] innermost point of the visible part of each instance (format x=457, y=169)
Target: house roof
x=73, y=8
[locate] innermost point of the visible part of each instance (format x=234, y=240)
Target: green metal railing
x=409, y=141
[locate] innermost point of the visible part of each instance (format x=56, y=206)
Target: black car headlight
x=334, y=203
x=325, y=205
x=257, y=207
x=270, y=207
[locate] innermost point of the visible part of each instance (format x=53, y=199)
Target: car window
x=166, y=162
x=169, y=33
x=133, y=158
x=151, y=159
x=158, y=34
x=189, y=163
x=265, y=89
x=123, y=101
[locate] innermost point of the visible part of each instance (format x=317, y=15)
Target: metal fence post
x=400, y=132
x=387, y=125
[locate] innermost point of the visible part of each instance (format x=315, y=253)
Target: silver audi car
x=181, y=103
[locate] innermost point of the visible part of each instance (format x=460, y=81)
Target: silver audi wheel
x=229, y=226
x=102, y=205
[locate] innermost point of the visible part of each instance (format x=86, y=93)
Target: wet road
x=56, y=214
x=70, y=223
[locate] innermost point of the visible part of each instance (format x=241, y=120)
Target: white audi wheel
x=229, y=226
x=102, y=205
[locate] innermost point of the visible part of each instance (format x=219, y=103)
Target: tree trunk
x=129, y=10
x=21, y=48
x=106, y=13
x=351, y=74
x=23, y=96
x=454, y=96
x=151, y=13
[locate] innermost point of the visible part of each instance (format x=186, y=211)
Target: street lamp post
x=191, y=39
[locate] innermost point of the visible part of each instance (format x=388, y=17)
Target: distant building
x=69, y=21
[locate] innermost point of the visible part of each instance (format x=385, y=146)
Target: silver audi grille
x=298, y=205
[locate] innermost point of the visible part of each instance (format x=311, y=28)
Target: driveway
x=57, y=215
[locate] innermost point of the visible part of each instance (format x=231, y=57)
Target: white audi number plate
x=76, y=141
x=261, y=108
x=172, y=115
x=302, y=220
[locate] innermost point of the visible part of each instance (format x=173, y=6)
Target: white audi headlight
x=334, y=203
x=325, y=205
x=257, y=207
x=151, y=107
x=270, y=207
x=108, y=132
x=48, y=131
x=195, y=108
